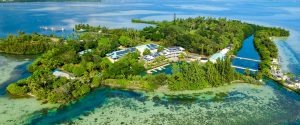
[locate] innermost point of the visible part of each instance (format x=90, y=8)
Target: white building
x=172, y=52
x=85, y=51
x=114, y=56
x=220, y=55
x=58, y=74
x=152, y=47
x=149, y=58
x=297, y=85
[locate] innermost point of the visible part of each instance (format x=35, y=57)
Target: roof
x=151, y=57
x=120, y=53
x=85, y=51
x=58, y=73
x=219, y=55
x=175, y=49
x=142, y=48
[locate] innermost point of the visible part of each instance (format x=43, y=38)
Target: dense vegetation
x=27, y=44
x=267, y=48
x=200, y=35
x=194, y=76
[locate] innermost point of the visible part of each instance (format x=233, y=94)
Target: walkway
x=239, y=67
x=243, y=58
x=157, y=69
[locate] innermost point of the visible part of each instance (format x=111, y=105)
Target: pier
x=157, y=69
x=55, y=29
x=243, y=58
x=239, y=67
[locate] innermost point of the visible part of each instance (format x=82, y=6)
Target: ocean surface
x=233, y=104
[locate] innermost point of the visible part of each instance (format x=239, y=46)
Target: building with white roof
x=85, y=51
x=172, y=52
x=115, y=55
x=58, y=73
x=152, y=47
x=220, y=55
x=151, y=57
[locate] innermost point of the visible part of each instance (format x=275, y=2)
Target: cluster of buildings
x=279, y=75
x=114, y=56
x=276, y=71
x=170, y=52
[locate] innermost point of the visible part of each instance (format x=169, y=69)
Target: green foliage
x=88, y=28
x=267, y=48
x=18, y=88
x=146, y=52
x=124, y=67
x=26, y=44
x=160, y=48
x=247, y=72
x=159, y=79
x=194, y=76
x=125, y=41
x=105, y=45
x=55, y=58
x=200, y=35
x=79, y=70
x=81, y=90
x=96, y=81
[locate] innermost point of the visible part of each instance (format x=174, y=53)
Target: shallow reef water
x=232, y=104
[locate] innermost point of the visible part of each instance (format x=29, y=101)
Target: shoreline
x=163, y=91
x=280, y=64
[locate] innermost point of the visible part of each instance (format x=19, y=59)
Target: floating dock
x=55, y=29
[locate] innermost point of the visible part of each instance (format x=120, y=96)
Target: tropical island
x=126, y=58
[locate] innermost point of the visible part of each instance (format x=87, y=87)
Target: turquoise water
x=13, y=68
x=233, y=104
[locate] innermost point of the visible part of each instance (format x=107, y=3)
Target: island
x=28, y=44
x=127, y=58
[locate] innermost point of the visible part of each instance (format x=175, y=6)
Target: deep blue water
x=247, y=51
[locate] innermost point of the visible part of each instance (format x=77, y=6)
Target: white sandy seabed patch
x=250, y=104
x=17, y=111
x=6, y=68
